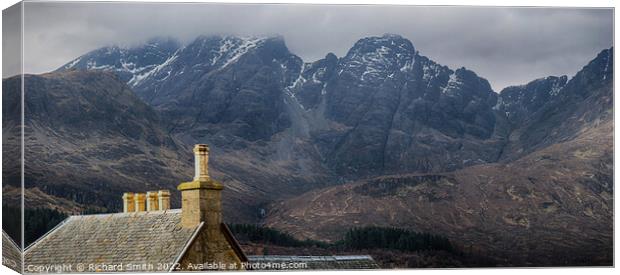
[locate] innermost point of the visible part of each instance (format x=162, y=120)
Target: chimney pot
x=201, y=162
x=152, y=202
x=128, y=202
x=140, y=199
x=164, y=199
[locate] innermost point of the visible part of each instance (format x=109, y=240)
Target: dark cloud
x=505, y=45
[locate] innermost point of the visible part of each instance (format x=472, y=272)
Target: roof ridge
x=51, y=231
x=12, y=242
x=120, y=214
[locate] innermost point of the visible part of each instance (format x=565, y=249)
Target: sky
x=505, y=45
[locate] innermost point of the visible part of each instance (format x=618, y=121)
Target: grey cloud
x=11, y=47
x=505, y=45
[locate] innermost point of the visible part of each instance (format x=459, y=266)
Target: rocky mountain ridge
x=383, y=108
x=583, y=102
x=554, y=195
x=231, y=92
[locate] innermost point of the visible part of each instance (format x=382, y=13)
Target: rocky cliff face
x=130, y=64
x=393, y=110
x=519, y=102
x=582, y=103
x=382, y=108
x=216, y=86
x=548, y=203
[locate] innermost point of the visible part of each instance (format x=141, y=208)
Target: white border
x=557, y=3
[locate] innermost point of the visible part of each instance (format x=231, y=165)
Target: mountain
x=518, y=102
x=381, y=136
x=405, y=111
x=228, y=92
x=88, y=139
x=128, y=63
x=551, y=206
x=580, y=104
x=238, y=80
x=393, y=110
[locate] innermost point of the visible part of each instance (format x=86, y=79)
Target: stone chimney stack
x=202, y=197
x=128, y=202
x=140, y=199
x=164, y=199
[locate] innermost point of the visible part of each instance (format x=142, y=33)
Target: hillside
x=550, y=207
x=88, y=139
x=553, y=206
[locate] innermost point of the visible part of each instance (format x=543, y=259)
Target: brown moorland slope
x=552, y=207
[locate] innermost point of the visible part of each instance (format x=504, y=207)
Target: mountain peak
x=331, y=56
x=126, y=62
x=392, y=41
x=222, y=50
x=601, y=65
x=377, y=57
x=518, y=102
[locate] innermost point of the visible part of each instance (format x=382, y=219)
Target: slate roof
x=11, y=253
x=270, y=262
x=149, y=238
x=120, y=238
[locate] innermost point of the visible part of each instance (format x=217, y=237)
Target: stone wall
x=210, y=251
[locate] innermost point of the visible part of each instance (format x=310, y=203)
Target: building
x=149, y=236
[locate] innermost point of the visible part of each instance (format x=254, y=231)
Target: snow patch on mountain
x=453, y=83
x=607, y=62
x=299, y=81
x=138, y=78
x=556, y=88
x=238, y=51
x=408, y=65
x=430, y=71
x=73, y=63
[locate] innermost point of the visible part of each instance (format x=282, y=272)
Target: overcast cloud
x=507, y=46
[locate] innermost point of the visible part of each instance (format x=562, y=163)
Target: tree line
x=358, y=238
x=260, y=234
x=37, y=222
x=394, y=238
